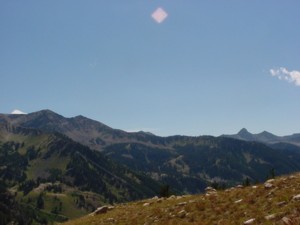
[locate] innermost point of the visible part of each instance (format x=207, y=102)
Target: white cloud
x=16, y=111
x=284, y=74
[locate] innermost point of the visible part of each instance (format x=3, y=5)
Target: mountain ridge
x=89, y=132
x=53, y=116
x=265, y=137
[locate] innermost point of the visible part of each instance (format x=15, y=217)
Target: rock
x=254, y=187
x=251, y=221
x=159, y=200
x=296, y=197
x=210, y=189
x=181, y=203
x=213, y=193
x=239, y=186
x=270, y=181
x=171, y=215
x=268, y=185
x=287, y=221
x=155, y=198
x=281, y=203
x=100, y=210
x=270, y=217
x=238, y=201
x=146, y=204
x=181, y=214
x=179, y=197
x=230, y=189
x=192, y=201
x=172, y=197
x=110, y=220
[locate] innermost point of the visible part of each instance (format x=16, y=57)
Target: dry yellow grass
x=273, y=205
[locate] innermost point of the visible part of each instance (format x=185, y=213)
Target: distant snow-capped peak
x=16, y=111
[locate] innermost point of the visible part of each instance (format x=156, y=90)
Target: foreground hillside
x=274, y=202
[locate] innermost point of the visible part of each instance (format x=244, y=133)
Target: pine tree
x=40, y=201
x=164, y=191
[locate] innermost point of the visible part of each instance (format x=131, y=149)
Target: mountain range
x=83, y=163
x=266, y=137
x=88, y=132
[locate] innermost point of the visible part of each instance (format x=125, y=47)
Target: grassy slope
x=54, y=151
x=68, y=199
x=232, y=206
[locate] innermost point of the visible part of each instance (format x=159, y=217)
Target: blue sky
x=212, y=67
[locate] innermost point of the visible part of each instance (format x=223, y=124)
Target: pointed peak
x=265, y=132
x=245, y=134
x=46, y=113
x=80, y=117
x=243, y=131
